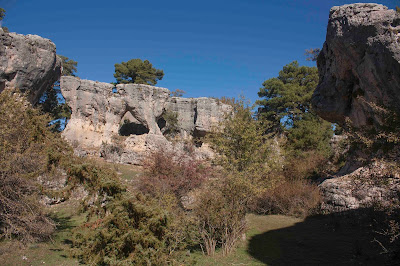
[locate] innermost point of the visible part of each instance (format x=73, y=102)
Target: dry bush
x=167, y=172
x=308, y=165
x=293, y=197
x=26, y=146
x=20, y=212
x=220, y=214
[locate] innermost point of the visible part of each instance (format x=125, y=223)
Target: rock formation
x=28, y=63
x=367, y=186
x=359, y=68
x=124, y=122
x=359, y=65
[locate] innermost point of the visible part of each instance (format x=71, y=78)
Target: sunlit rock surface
x=28, y=63
x=126, y=122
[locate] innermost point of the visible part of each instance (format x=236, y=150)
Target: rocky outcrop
x=28, y=63
x=359, y=65
x=125, y=122
x=359, y=68
x=368, y=186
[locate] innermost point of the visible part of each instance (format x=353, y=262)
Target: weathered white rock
x=28, y=63
x=363, y=188
x=127, y=121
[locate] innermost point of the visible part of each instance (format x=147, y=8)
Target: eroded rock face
x=359, y=65
x=359, y=69
x=126, y=122
x=375, y=184
x=28, y=63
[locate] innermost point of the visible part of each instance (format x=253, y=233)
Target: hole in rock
x=132, y=128
x=161, y=123
x=197, y=137
x=114, y=90
x=197, y=142
x=2, y=86
x=199, y=133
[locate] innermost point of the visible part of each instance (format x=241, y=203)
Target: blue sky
x=206, y=48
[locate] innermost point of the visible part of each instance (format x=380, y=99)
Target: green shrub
x=134, y=232
x=243, y=147
x=171, y=127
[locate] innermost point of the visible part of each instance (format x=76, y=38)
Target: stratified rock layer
x=28, y=63
x=359, y=65
x=131, y=117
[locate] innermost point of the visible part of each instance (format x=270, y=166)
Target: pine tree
x=137, y=71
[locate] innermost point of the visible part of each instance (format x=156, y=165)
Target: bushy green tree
x=311, y=133
x=241, y=142
x=287, y=97
x=137, y=71
x=286, y=108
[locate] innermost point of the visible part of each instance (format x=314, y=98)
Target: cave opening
x=161, y=123
x=132, y=128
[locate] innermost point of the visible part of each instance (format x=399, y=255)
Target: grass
x=54, y=252
x=270, y=239
x=127, y=172
x=257, y=225
x=284, y=240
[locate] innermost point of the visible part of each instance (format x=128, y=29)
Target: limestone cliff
x=359, y=64
x=133, y=116
x=28, y=63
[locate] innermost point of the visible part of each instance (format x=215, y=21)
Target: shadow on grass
x=63, y=222
x=336, y=239
x=64, y=226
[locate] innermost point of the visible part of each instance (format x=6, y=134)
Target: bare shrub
x=26, y=146
x=220, y=213
x=309, y=165
x=20, y=213
x=293, y=197
x=168, y=172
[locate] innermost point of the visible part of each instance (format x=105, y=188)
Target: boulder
x=123, y=123
x=368, y=186
x=28, y=63
x=359, y=65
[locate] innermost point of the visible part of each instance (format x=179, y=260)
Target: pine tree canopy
x=137, y=71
